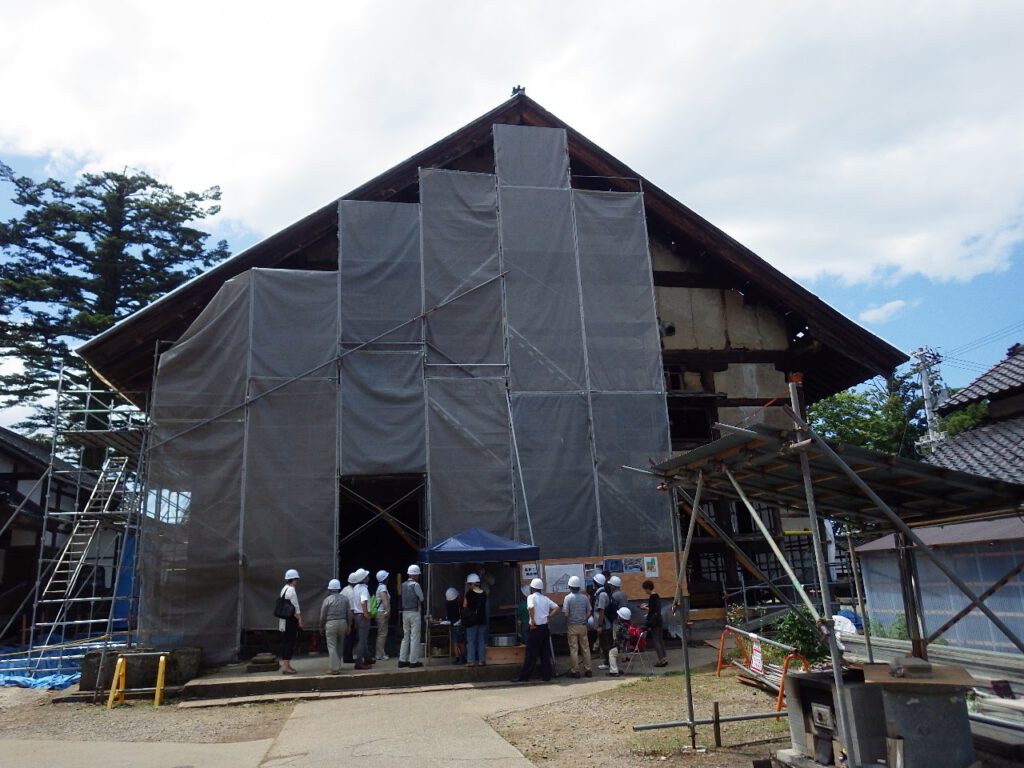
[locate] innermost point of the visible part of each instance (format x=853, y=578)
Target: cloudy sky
x=872, y=151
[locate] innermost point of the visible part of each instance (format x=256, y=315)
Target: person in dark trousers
x=474, y=619
x=289, y=627
x=453, y=613
x=541, y=609
x=602, y=619
x=654, y=623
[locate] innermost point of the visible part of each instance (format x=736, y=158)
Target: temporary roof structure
x=476, y=545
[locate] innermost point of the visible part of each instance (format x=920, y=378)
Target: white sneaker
x=383, y=658
x=602, y=666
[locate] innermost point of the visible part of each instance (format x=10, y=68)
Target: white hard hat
x=536, y=584
x=382, y=576
x=615, y=581
x=290, y=574
x=599, y=579
x=590, y=622
x=472, y=579
x=359, y=576
x=574, y=582
x=624, y=613
x=412, y=570
x=334, y=585
x=451, y=594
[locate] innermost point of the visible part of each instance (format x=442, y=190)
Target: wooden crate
x=513, y=654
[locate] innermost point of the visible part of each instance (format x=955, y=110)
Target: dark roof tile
x=1001, y=378
x=994, y=450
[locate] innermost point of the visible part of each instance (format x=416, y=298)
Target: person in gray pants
x=361, y=612
x=334, y=616
x=412, y=617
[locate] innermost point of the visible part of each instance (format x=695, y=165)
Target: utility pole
x=925, y=359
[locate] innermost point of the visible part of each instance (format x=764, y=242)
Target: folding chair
x=638, y=656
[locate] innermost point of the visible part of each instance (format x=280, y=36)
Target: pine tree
x=79, y=258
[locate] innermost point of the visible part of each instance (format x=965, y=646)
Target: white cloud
x=883, y=313
x=870, y=142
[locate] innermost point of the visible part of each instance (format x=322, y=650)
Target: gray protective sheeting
x=498, y=337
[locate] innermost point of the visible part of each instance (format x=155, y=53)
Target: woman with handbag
x=474, y=619
x=289, y=625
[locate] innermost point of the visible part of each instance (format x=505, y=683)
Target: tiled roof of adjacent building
x=993, y=450
x=1002, y=378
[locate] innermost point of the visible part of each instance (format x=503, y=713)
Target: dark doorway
x=380, y=524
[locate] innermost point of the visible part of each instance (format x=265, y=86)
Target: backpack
x=613, y=606
x=374, y=606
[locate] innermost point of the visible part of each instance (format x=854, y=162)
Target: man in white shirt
x=541, y=609
x=361, y=612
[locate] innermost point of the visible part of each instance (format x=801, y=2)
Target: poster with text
x=651, y=567
x=530, y=571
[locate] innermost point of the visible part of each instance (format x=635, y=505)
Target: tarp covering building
x=498, y=338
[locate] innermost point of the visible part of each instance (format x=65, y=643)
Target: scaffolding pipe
x=686, y=607
x=855, y=572
x=710, y=721
x=905, y=529
x=842, y=712
x=774, y=546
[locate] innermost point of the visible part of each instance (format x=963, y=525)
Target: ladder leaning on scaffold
x=62, y=590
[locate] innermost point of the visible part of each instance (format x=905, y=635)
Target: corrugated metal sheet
x=950, y=535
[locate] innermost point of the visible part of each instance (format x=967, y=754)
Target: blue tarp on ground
x=476, y=545
x=15, y=662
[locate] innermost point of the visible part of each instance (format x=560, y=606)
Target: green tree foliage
x=795, y=628
x=886, y=415
x=965, y=418
x=79, y=258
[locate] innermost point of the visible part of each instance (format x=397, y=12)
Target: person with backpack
x=602, y=618
x=412, y=606
x=361, y=612
x=616, y=600
x=380, y=610
x=474, y=619
x=576, y=608
x=624, y=623
x=289, y=619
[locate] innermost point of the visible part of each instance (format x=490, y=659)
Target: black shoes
x=403, y=664
x=413, y=664
x=588, y=673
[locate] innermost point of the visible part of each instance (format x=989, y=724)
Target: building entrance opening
x=380, y=524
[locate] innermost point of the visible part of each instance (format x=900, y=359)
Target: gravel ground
x=597, y=730
x=29, y=714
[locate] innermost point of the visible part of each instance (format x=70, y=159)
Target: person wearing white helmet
x=541, y=609
x=290, y=625
x=474, y=619
x=334, y=615
x=617, y=599
x=576, y=608
x=383, y=606
x=453, y=615
x=412, y=618
x=602, y=618
x=361, y=612
x=624, y=622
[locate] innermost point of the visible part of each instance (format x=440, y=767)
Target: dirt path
x=596, y=730
x=28, y=714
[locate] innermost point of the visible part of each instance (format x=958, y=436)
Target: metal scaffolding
x=768, y=465
x=86, y=591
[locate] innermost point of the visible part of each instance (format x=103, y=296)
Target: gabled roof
x=993, y=450
x=834, y=352
x=1004, y=378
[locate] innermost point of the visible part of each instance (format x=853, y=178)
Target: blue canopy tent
x=476, y=545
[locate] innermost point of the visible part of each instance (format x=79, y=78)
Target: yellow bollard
x=158, y=695
x=118, y=684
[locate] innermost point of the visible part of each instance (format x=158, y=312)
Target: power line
x=988, y=338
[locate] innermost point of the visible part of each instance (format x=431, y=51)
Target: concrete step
x=267, y=683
